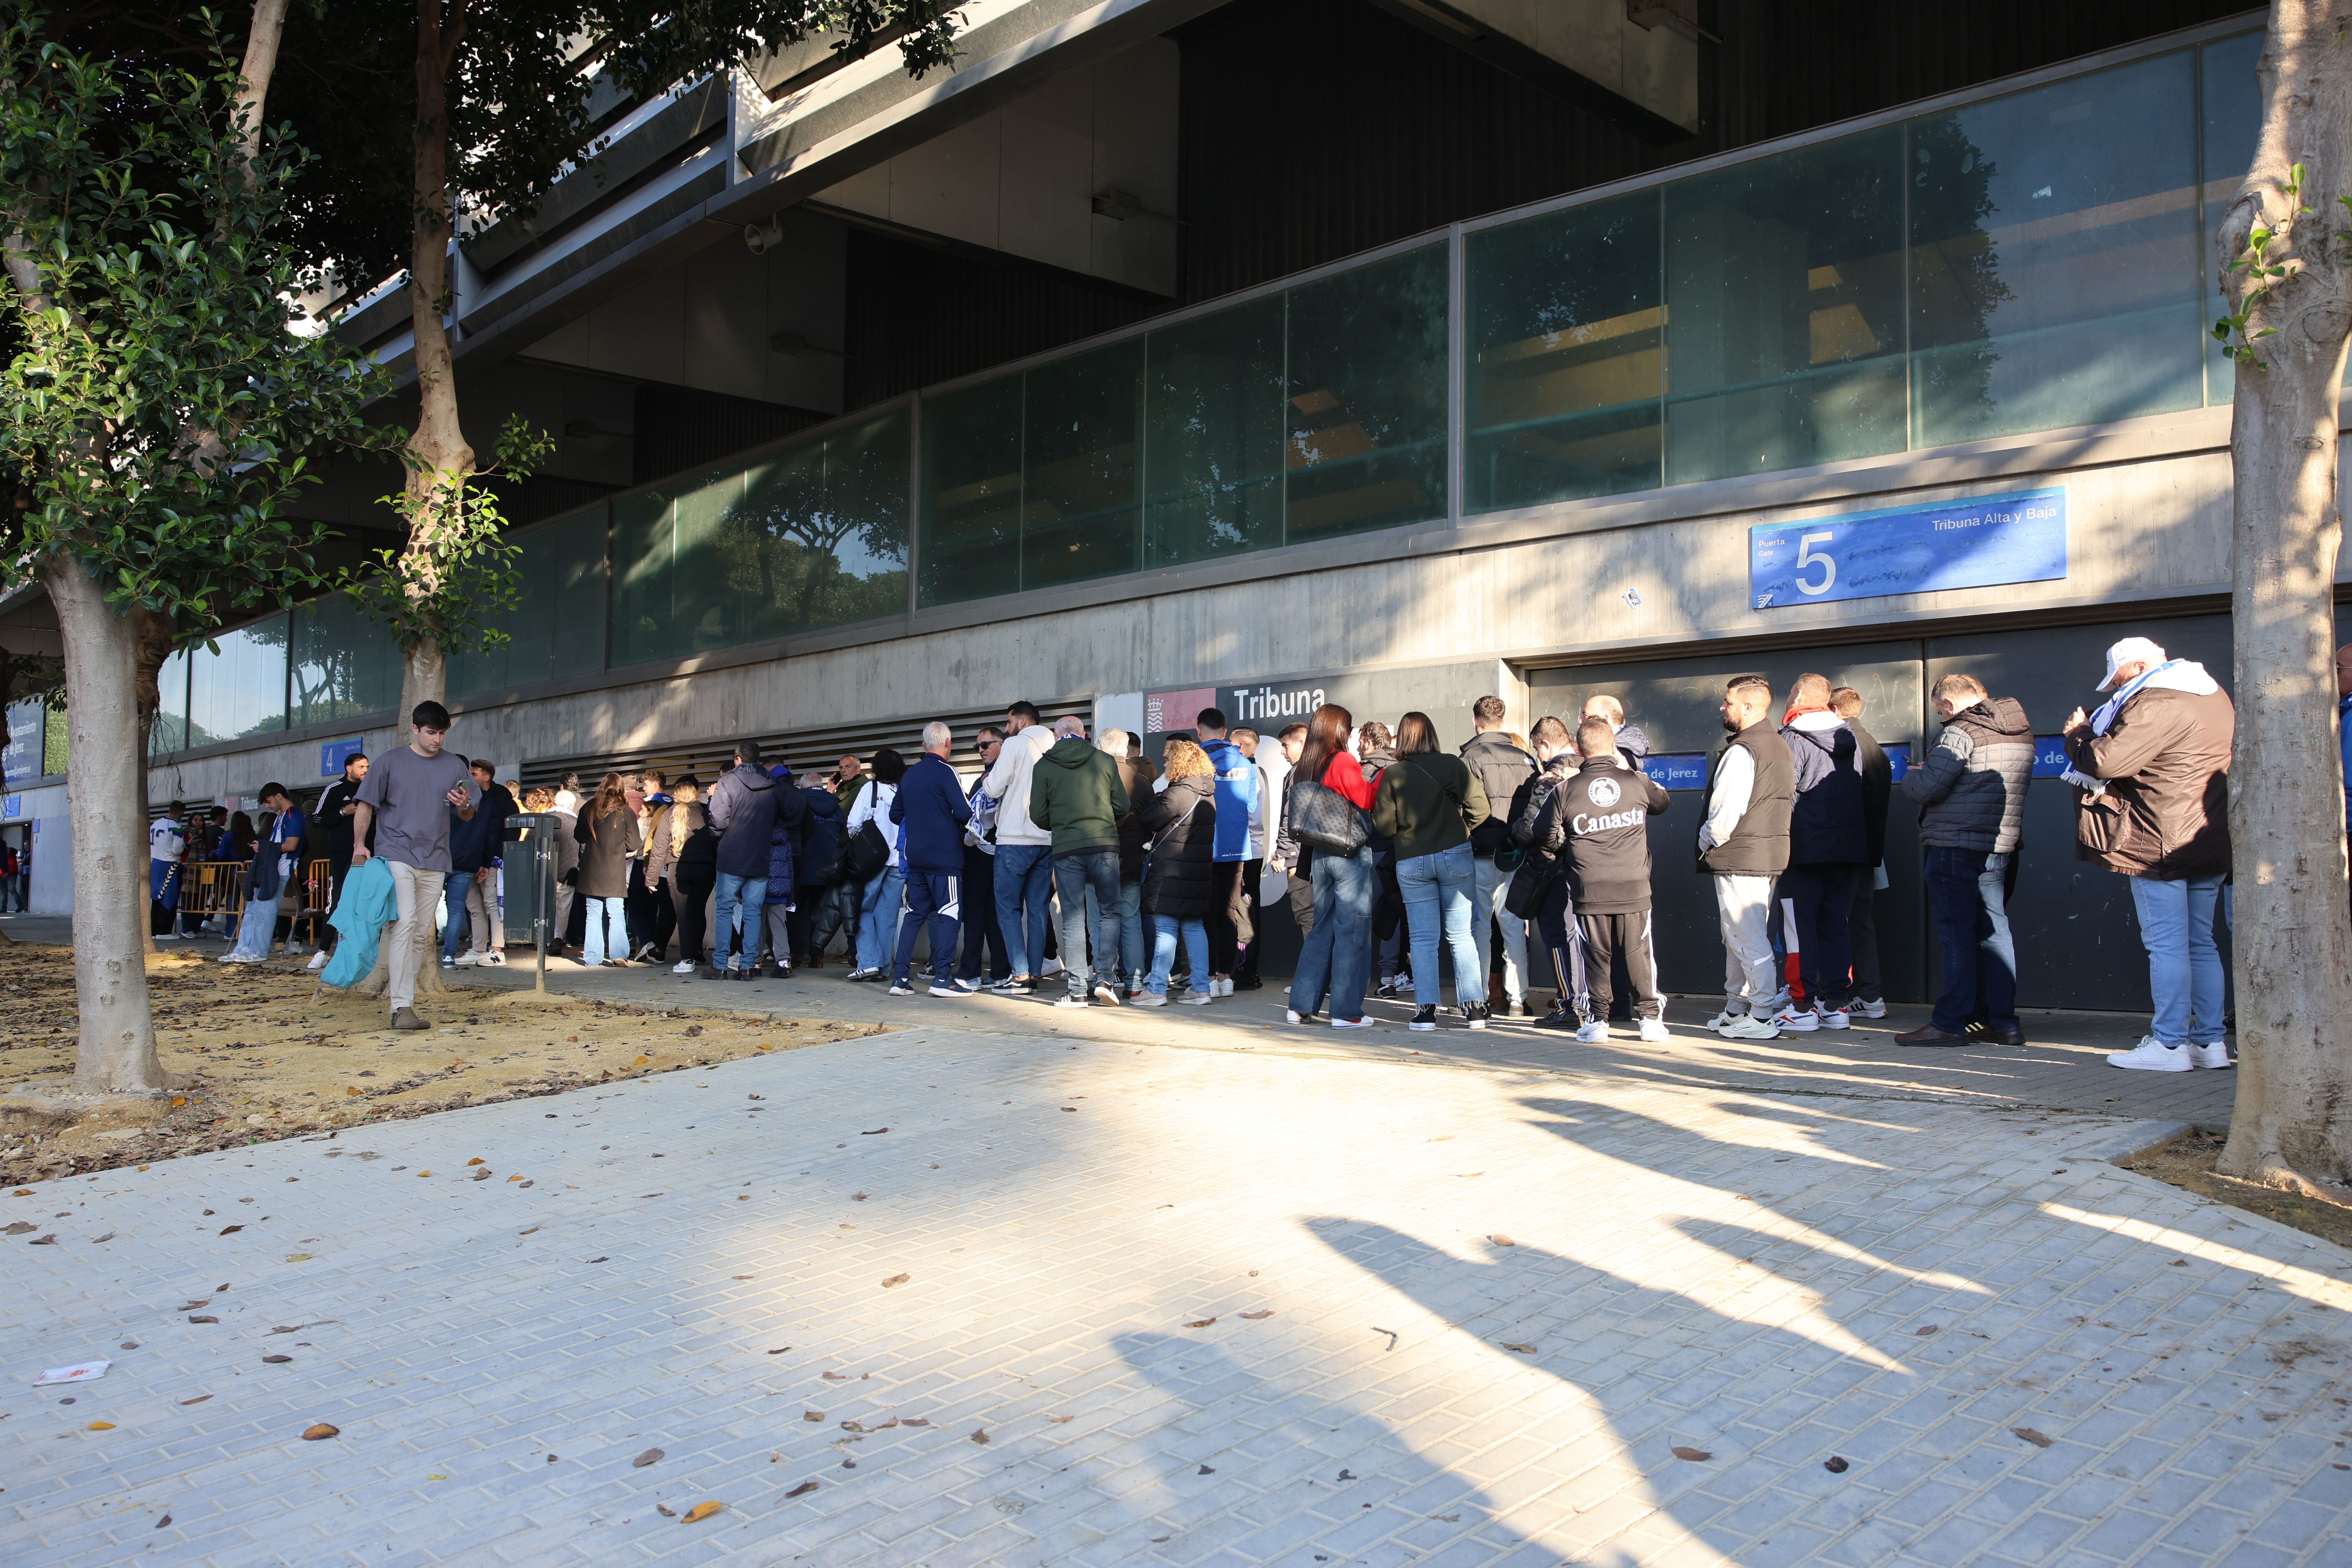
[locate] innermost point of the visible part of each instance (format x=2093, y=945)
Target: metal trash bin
x=529, y=873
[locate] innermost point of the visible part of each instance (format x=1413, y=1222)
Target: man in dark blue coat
x=930, y=811
x=1829, y=846
x=743, y=814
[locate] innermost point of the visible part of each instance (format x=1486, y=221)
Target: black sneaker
x=1248, y=983
x=1478, y=1012
x=1389, y=987
x=1424, y=1018
x=1515, y=1009
x=1560, y=1018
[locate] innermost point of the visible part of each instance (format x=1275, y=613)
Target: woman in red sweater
x=1336, y=959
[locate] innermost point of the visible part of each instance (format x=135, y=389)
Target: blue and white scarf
x=2172, y=674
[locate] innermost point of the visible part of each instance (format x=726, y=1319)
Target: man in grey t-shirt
x=407, y=798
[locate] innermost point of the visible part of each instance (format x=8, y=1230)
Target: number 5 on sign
x=1808, y=556
x=1973, y=542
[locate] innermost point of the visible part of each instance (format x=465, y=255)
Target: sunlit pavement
x=1507, y=1309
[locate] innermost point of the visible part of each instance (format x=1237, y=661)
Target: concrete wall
x=1533, y=588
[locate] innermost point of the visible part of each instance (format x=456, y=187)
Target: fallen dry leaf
x=1262, y=1312
x=1682, y=1453
x=1061, y=1420
x=163, y=1521
x=532, y=1231
x=100, y=1427
x=641, y=1061
x=1523, y=1350
x=2030, y=1436
x=979, y=1435
x=202, y=1318
x=313, y=1434
x=199, y=1399
x=1926, y=1329
x=665, y=1511
x=230, y=1229
x=1199, y=1323
x=836, y=1377
x=780, y=1350
x=514, y=1178
x=702, y=1510
x=812, y=1414
x=1835, y=1465
x=649, y=1456
x=872, y=1131
x=895, y=1281
x=917, y=1420
x=276, y=1359
x=692, y=1030
x=1499, y=1239
x=421, y=1174
x=802, y=1491
x=1206, y=1470
x=475, y=1161
x=747, y=1276
x=21, y=1226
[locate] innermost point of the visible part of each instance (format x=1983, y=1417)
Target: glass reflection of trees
x=819, y=538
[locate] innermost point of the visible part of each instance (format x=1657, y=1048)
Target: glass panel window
x=1784, y=294
x=972, y=493
x=1080, y=513
x=2053, y=256
x=1213, y=435
x=26, y=723
x=344, y=664
x=644, y=547
x=823, y=534
x=2232, y=101
x=557, y=625
x=1367, y=398
x=240, y=691
x=1566, y=357
x=171, y=732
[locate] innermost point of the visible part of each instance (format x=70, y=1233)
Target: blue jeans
x=1487, y=900
x=456, y=923
x=2184, y=967
x=1964, y=890
x=608, y=931
x=1025, y=877
x=878, y=918
x=1131, y=930
x=1337, y=956
x=1436, y=891
x=1163, y=952
x=741, y=900
x=1085, y=878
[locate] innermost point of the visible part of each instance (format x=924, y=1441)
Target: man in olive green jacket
x=1076, y=795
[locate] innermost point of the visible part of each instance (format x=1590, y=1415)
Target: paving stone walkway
x=949, y=1297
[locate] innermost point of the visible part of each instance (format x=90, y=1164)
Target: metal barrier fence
x=217, y=888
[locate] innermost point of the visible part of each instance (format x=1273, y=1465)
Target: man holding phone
x=407, y=799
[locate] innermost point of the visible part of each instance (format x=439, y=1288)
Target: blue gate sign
x=1975, y=543
x=1681, y=770
x=1898, y=758
x=2049, y=756
x=333, y=754
x=14, y=807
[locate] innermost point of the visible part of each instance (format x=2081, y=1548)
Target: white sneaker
x=168, y=936
x=1106, y=994
x=1592, y=1031
x=495, y=959
x=1073, y=1001
x=2152, y=1054
x=1795, y=1020
x=318, y=960
x=2216, y=1055
x=1723, y=1017
x=1874, y=1008
x=1654, y=1029
x=1833, y=1017
x=1748, y=1026
x=682, y=966
x=899, y=988
x=1223, y=987
x=468, y=959
x=1352, y=1023
x=1154, y=999
x=1196, y=998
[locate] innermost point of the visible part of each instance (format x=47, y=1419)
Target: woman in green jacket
x=1429, y=801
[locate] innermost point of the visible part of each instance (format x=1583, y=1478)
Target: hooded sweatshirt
x=743, y=814
x=1075, y=796
x=1008, y=782
x=1237, y=800
x=1826, y=823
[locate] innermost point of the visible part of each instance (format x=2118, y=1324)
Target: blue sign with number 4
x=1977, y=542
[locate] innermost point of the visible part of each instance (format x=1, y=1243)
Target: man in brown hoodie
x=2151, y=770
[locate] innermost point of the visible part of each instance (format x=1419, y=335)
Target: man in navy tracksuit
x=930, y=811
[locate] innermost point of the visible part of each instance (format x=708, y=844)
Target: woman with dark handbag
x=1180, y=871
x=885, y=885
x=1430, y=800
x=1324, y=809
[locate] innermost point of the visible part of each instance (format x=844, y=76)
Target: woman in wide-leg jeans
x=1437, y=898
x=877, y=920
x=1337, y=956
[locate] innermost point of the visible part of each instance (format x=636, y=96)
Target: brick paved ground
x=684, y=1265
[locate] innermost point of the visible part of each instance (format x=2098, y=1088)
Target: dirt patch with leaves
x=259, y=1052
x=2188, y=1161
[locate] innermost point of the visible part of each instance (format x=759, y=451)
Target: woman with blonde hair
x=609, y=835
x=1180, y=883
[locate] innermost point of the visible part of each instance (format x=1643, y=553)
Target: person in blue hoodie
x=783, y=846
x=743, y=814
x=1232, y=936
x=930, y=810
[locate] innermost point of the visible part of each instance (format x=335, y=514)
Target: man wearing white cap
x=2153, y=766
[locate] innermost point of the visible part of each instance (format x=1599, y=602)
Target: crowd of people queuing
x=1138, y=882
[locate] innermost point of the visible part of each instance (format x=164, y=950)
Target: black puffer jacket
x=1971, y=788
x=1180, y=880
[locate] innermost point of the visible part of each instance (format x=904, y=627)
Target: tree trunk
x=260, y=60
x=155, y=635
x=115, y=1047
x=2293, y=935
x=439, y=457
